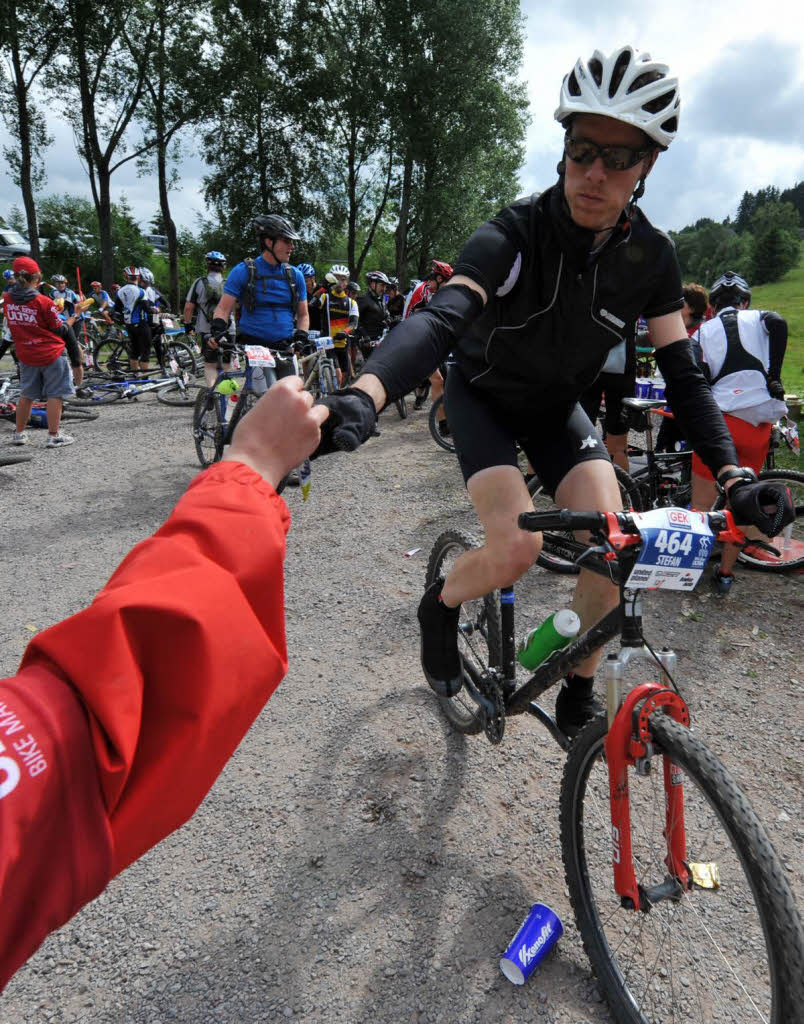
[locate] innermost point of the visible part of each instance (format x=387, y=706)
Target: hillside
x=786, y=296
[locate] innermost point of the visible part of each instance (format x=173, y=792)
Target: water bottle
x=553, y=634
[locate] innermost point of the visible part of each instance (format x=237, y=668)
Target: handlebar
x=605, y=523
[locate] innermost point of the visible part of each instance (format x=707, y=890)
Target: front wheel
x=207, y=427
x=731, y=952
x=479, y=632
x=443, y=440
x=790, y=542
x=327, y=378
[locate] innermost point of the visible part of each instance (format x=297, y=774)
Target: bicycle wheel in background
x=78, y=415
x=88, y=396
x=111, y=358
x=790, y=543
x=730, y=952
x=479, y=630
x=181, y=353
x=13, y=458
x=447, y=442
x=179, y=396
x=402, y=407
x=207, y=427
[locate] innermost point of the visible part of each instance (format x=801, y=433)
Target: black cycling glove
x=747, y=501
x=188, y=328
x=351, y=421
x=776, y=389
x=219, y=328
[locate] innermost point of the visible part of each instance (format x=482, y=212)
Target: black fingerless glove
x=351, y=421
x=188, y=328
x=219, y=328
x=747, y=501
x=776, y=389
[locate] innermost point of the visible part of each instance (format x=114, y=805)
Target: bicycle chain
x=490, y=687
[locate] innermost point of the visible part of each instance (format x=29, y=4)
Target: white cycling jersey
x=743, y=393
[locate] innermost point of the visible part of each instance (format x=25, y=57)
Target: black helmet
x=273, y=226
x=729, y=286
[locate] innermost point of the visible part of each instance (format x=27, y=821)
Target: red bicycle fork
x=628, y=744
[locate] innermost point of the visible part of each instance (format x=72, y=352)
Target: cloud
x=752, y=90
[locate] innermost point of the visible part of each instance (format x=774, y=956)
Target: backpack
x=250, y=296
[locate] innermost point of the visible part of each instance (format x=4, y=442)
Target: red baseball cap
x=25, y=265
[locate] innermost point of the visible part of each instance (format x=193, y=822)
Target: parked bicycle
x=175, y=388
x=679, y=896
x=317, y=367
x=112, y=355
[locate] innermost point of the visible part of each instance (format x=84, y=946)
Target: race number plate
x=259, y=356
x=174, y=366
x=676, y=545
x=324, y=342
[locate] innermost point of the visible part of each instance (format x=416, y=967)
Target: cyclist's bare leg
x=436, y=391
x=499, y=495
x=591, y=485
x=617, y=448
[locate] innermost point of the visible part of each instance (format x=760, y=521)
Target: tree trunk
x=167, y=220
x=104, y=211
x=401, y=233
x=24, y=127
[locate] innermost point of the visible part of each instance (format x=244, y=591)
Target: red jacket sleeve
x=171, y=663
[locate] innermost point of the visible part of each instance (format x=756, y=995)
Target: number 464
x=671, y=542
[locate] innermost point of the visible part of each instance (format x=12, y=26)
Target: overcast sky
x=741, y=69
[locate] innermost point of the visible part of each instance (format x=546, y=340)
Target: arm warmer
x=694, y=406
x=414, y=348
x=776, y=326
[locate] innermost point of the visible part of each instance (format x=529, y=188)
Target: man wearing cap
x=39, y=337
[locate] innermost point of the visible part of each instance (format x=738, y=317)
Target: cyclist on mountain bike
x=372, y=311
x=272, y=298
x=741, y=351
x=202, y=298
x=540, y=295
x=339, y=316
x=102, y=301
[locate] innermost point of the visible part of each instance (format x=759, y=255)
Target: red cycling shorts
x=751, y=443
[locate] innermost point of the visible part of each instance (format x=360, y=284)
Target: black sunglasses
x=615, y=158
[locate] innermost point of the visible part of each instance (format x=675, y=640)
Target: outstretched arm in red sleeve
x=122, y=716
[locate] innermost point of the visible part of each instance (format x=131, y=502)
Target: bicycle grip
x=560, y=519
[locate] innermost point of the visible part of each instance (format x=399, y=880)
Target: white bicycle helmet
x=339, y=270
x=627, y=86
x=146, y=275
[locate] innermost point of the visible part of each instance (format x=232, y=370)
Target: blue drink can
x=537, y=935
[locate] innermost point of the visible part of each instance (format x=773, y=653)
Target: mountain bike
x=212, y=427
x=679, y=896
x=112, y=356
x=318, y=367
x=176, y=388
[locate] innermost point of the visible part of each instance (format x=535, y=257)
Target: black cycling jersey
x=373, y=315
x=556, y=307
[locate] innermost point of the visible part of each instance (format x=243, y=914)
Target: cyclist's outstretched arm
x=121, y=717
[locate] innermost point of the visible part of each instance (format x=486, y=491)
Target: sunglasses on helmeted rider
x=615, y=158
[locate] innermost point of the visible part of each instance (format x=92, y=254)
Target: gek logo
x=678, y=517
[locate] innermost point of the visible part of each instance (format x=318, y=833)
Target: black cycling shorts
x=139, y=336
x=342, y=359
x=486, y=435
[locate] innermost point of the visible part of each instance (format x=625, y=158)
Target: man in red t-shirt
x=39, y=335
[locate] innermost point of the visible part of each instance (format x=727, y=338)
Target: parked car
x=13, y=244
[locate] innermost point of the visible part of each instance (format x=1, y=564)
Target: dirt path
x=356, y=862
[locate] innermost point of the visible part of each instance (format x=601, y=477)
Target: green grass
x=786, y=296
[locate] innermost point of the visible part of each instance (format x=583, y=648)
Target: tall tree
x=30, y=35
x=109, y=80
x=175, y=95
x=459, y=123
x=260, y=156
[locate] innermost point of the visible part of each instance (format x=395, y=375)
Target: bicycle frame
x=626, y=744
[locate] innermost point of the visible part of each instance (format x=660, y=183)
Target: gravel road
x=356, y=862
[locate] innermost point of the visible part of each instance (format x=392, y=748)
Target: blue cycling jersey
x=70, y=299
x=272, y=318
